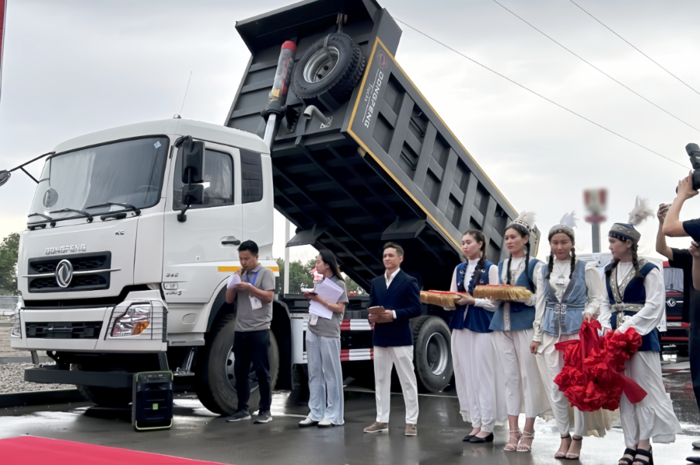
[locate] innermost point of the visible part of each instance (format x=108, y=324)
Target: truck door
x=200, y=252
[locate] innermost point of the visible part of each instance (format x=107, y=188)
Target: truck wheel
x=215, y=379
x=431, y=356
x=320, y=79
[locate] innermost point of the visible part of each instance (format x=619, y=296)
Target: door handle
x=230, y=241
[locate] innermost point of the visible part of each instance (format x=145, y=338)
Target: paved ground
x=198, y=434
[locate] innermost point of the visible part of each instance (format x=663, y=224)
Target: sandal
x=559, y=454
x=513, y=447
x=624, y=460
x=569, y=455
x=526, y=447
x=646, y=454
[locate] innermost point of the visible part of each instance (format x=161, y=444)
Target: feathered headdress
x=525, y=222
x=627, y=231
x=566, y=225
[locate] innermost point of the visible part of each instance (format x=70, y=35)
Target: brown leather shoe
x=377, y=427
x=411, y=430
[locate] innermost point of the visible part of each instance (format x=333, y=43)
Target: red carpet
x=30, y=450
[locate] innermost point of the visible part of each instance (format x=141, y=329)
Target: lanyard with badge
x=255, y=303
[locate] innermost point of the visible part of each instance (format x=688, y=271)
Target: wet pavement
x=198, y=434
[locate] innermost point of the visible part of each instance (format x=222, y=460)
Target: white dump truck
x=134, y=230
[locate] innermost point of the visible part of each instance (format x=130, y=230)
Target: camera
x=694, y=154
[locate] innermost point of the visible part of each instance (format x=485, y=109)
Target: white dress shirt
x=389, y=280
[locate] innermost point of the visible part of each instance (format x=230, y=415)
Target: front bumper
x=54, y=375
x=89, y=329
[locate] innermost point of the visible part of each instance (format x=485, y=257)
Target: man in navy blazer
x=399, y=294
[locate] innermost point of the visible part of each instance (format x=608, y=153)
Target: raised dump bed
x=386, y=167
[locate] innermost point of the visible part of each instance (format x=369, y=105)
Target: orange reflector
x=139, y=327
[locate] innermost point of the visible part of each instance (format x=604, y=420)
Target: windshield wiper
x=48, y=218
x=126, y=206
x=82, y=212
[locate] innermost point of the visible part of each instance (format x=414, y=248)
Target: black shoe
x=648, y=458
x=693, y=459
x=264, y=416
x=239, y=416
x=468, y=437
x=477, y=439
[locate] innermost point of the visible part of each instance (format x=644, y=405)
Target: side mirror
x=192, y=155
x=4, y=176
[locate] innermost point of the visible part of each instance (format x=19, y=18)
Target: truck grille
x=80, y=282
x=64, y=330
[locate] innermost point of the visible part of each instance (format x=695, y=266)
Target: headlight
x=16, y=330
x=17, y=326
x=134, y=321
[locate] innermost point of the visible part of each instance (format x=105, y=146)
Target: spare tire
x=328, y=81
x=432, y=356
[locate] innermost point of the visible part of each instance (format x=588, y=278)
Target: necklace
x=560, y=271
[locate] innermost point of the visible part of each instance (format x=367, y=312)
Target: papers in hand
x=328, y=291
x=234, y=279
x=376, y=310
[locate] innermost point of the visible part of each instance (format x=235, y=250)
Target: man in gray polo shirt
x=253, y=290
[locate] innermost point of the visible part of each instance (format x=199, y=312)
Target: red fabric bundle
x=591, y=377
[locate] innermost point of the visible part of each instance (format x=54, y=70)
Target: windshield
x=127, y=172
x=673, y=279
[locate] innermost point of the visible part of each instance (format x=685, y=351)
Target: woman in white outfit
x=513, y=332
x=571, y=293
x=636, y=299
x=473, y=349
x=323, y=352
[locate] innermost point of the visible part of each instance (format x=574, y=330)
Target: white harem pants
x=520, y=372
x=476, y=369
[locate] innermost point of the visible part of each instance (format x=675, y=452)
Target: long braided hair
x=572, y=254
x=523, y=233
x=635, y=261
x=479, y=237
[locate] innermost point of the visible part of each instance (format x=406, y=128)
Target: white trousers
x=550, y=362
x=523, y=383
x=402, y=358
x=325, y=378
x=653, y=417
x=476, y=367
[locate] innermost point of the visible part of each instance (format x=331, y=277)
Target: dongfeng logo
x=671, y=302
x=66, y=249
x=64, y=273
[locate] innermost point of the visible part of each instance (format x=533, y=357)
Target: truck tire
x=215, y=381
x=432, y=356
x=327, y=83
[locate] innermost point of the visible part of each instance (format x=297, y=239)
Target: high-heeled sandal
x=624, y=459
x=526, y=435
x=513, y=447
x=644, y=453
x=570, y=456
x=562, y=455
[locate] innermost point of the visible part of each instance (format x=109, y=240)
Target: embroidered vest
x=628, y=298
x=565, y=316
x=515, y=316
x=477, y=319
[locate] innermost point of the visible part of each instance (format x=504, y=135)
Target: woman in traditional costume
x=473, y=347
x=571, y=292
x=636, y=299
x=512, y=324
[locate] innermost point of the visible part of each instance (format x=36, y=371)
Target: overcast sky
x=75, y=66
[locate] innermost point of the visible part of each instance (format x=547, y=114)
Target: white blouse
x=593, y=283
x=652, y=314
